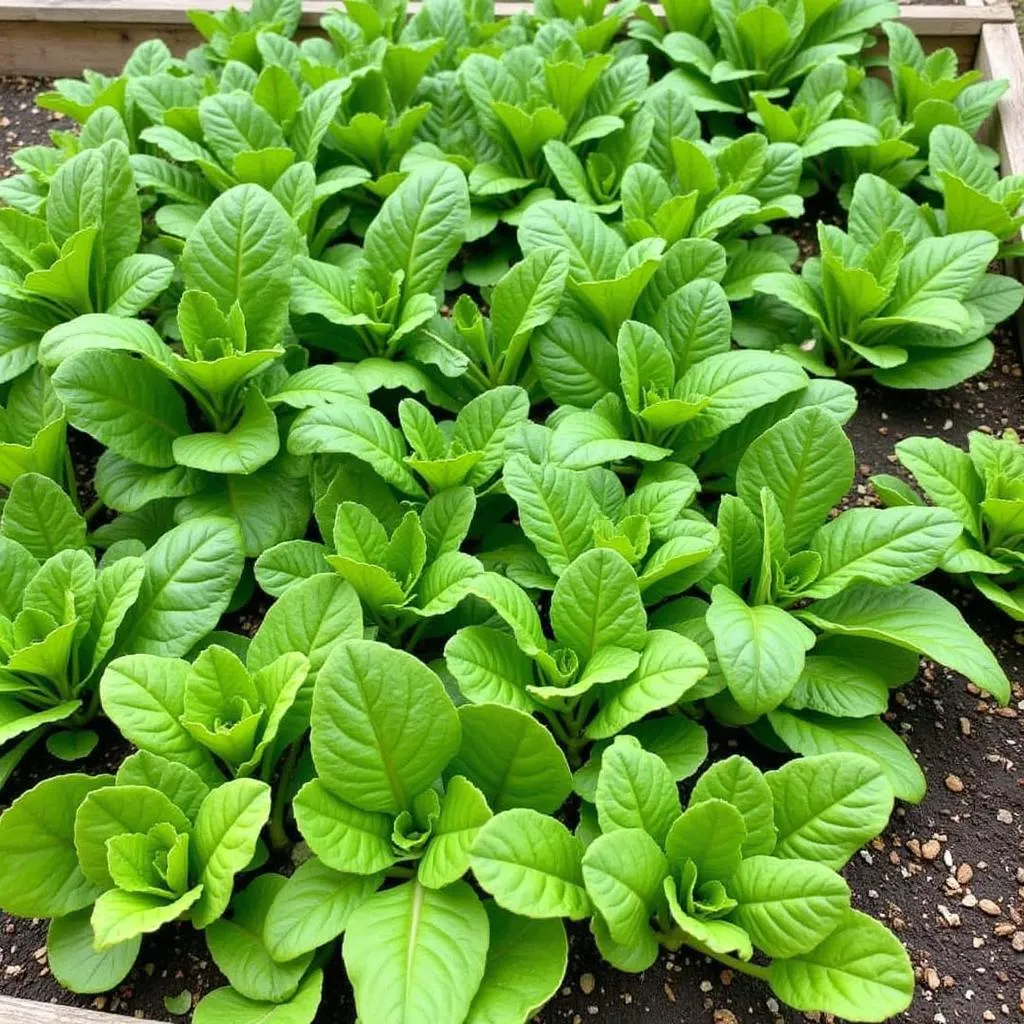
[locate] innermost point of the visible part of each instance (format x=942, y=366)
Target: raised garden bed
x=944, y=875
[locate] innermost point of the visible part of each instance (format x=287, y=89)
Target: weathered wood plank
x=22, y=1011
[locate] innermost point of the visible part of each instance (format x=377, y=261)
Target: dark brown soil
x=947, y=875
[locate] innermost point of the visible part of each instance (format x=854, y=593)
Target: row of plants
x=469, y=344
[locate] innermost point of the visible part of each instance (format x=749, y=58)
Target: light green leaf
x=512, y=758
x=226, y=1006
x=532, y=865
x=77, y=965
x=738, y=782
x=313, y=908
x=526, y=961
x=635, y=789
x=828, y=807
x=383, y=726
x=860, y=972
x=416, y=954
x=224, y=840
x=241, y=251
x=42, y=876
x=787, y=907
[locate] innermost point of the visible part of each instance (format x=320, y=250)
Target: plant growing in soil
x=64, y=618
x=810, y=625
x=464, y=292
x=891, y=299
x=750, y=866
x=983, y=489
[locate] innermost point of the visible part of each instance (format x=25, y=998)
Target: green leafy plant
x=891, y=300
x=811, y=624
x=982, y=489
x=749, y=868
x=62, y=618
x=383, y=732
x=381, y=295
x=726, y=50
x=603, y=671
x=81, y=257
x=111, y=859
x=973, y=194
x=231, y=320
x=928, y=90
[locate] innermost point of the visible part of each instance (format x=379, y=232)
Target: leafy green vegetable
x=982, y=489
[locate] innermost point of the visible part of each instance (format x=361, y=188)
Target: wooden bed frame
x=61, y=37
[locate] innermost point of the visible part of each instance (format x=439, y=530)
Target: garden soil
x=947, y=876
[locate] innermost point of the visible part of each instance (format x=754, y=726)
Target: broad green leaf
x=670, y=665
x=787, y=907
x=415, y=954
x=635, y=789
x=119, y=917
x=808, y=733
x=861, y=972
x=354, y=428
x=915, y=619
x=251, y=443
x=624, y=873
x=419, y=229
x=738, y=782
x=77, y=965
x=760, y=649
x=597, y=604
x=184, y=787
x=489, y=667
x=191, y=573
x=226, y=1006
x=383, y=726
x=806, y=462
x=125, y=403
x=884, y=546
x=241, y=251
x=828, y=807
x=117, y=811
x=238, y=949
x=344, y=837
x=144, y=695
x=512, y=758
x=557, y=510
x=40, y=517
x=223, y=842
x=42, y=876
x=313, y=908
x=526, y=961
x=532, y=865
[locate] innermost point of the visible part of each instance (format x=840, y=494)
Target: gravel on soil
x=948, y=874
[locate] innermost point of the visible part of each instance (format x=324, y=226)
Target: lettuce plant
x=983, y=490
x=79, y=257
x=232, y=320
x=602, y=672
x=111, y=859
x=929, y=91
x=749, y=868
x=973, y=194
x=725, y=50
x=370, y=303
x=811, y=624
x=375, y=814
x=722, y=190
x=889, y=299
x=63, y=618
